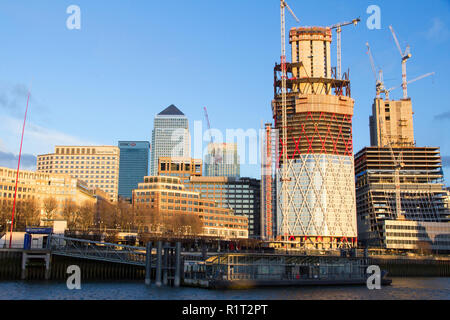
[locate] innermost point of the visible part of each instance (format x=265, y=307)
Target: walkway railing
x=96, y=250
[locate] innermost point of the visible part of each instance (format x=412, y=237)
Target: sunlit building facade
x=166, y=196
x=98, y=166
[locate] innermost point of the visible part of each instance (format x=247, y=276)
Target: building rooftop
x=171, y=111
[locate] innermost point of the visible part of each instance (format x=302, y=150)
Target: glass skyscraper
x=170, y=136
x=222, y=160
x=133, y=166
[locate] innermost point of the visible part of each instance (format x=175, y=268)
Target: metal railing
x=96, y=250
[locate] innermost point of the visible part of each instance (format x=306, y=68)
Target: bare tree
x=71, y=213
x=5, y=213
x=27, y=211
x=86, y=215
x=184, y=224
x=50, y=205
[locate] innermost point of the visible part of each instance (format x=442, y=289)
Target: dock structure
x=163, y=266
x=241, y=270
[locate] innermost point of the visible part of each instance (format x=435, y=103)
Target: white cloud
x=37, y=139
x=438, y=31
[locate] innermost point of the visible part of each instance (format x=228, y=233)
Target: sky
x=106, y=81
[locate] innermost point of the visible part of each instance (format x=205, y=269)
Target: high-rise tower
x=320, y=205
x=222, y=160
x=133, y=166
x=170, y=136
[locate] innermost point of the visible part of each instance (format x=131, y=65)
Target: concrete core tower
x=321, y=209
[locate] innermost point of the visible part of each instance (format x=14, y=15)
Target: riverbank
x=10, y=267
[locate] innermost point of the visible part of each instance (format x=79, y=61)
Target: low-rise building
x=416, y=235
x=41, y=186
x=166, y=196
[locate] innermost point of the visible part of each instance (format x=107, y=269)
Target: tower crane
x=338, y=28
x=216, y=157
x=378, y=80
x=284, y=178
x=387, y=91
x=405, y=56
x=398, y=165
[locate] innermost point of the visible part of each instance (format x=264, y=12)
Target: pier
x=173, y=263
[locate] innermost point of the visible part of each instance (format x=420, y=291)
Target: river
x=401, y=288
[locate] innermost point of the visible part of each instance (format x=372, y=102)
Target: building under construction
x=399, y=187
x=269, y=165
x=319, y=209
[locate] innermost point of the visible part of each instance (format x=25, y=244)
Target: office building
x=98, y=166
x=183, y=168
x=166, y=196
x=133, y=166
x=315, y=185
x=41, y=186
x=222, y=160
x=242, y=195
x=170, y=136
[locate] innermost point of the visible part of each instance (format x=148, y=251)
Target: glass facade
x=133, y=166
x=170, y=136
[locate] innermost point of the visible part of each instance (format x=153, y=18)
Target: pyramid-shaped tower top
x=171, y=111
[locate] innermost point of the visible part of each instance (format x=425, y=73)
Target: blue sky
x=131, y=59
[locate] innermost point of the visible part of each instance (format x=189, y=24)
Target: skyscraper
x=170, y=136
x=222, y=160
x=133, y=166
x=318, y=208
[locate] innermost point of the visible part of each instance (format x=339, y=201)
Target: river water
x=401, y=288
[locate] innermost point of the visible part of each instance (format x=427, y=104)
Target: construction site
x=400, y=192
x=308, y=194
x=309, y=199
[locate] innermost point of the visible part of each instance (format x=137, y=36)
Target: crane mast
x=379, y=81
x=405, y=56
x=216, y=157
x=338, y=28
x=284, y=178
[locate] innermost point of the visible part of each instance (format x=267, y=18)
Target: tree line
x=103, y=215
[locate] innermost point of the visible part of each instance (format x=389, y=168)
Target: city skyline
x=244, y=89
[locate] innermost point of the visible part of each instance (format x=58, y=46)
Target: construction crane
x=387, y=91
x=378, y=79
x=338, y=28
x=284, y=178
x=405, y=56
x=398, y=165
x=215, y=157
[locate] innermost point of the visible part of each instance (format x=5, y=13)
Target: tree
x=71, y=213
x=5, y=213
x=86, y=215
x=27, y=212
x=105, y=215
x=125, y=217
x=50, y=205
x=184, y=224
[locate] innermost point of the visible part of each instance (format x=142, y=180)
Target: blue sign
x=39, y=230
